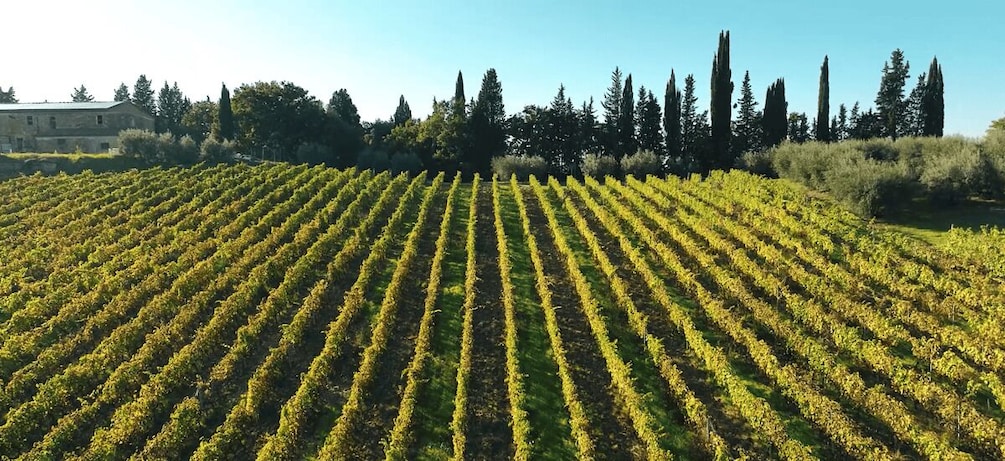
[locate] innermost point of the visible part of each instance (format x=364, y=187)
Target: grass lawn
x=931, y=224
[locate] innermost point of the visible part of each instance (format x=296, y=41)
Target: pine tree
x=914, y=114
x=747, y=134
x=172, y=105
x=694, y=130
x=799, y=128
x=933, y=104
x=589, y=136
x=627, y=144
x=81, y=95
x=842, y=124
x=721, y=108
x=121, y=93
x=487, y=124
x=650, y=136
x=774, y=121
x=345, y=130
x=672, y=119
x=225, y=115
x=143, y=95
x=7, y=97
x=403, y=113
x=612, y=113
x=822, y=130
x=562, y=152
x=890, y=102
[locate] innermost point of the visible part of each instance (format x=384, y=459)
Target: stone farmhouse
x=67, y=127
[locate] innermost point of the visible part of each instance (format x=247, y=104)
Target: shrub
x=869, y=187
x=809, y=163
x=641, y=164
x=167, y=148
x=599, y=166
x=214, y=151
x=521, y=166
x=141, y=144
x=878, y=149
x=187, y=151
x=758, y=163
x=371, y=159
x=406, y=162
x=314, y=154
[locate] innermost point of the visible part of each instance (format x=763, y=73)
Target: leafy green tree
x=799, y=128
x=627, y=144
x=890, y=102
x=694, y=131
x=121, y=93
x=403, y=113
x=774, y=120
x=200, y=121
x=225, y=115
x=143, y=95
x=172, y=105
x=747, y=134
x=933, y=103
x=276, y=118
x=527, y=131
x=487, y=124
x=345, y=131
x=7, y=97
x=376, y=132
x=81, y=95
x=821, y=129
x=672, y=119
x=721, y=108
x=650, y=135
x=612, y=113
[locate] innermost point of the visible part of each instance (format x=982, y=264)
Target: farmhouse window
x=52, y=122
x=101, y=120
x=105, y=146
x=31, y=120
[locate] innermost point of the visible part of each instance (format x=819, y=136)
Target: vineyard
x=280, y=312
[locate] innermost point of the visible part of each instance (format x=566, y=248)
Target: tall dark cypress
x=721, y=107
x=776, y=114
x=626, y=121
x=671, y=118
x=933, y=102
x=225, y=114
x=459, y=99
x=822, y=130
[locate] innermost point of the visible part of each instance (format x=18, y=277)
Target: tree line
x=282, y=121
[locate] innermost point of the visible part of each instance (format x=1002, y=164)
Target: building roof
x=50, y=106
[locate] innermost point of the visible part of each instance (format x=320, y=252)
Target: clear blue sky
x=379, y=50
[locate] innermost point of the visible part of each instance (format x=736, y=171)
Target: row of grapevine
x=401, y=434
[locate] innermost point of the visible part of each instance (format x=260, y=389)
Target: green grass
x=930, y=224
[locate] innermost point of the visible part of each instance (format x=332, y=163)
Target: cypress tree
x=914, y=115
x=402, y=113
x=671, y=119
x=225, y=115
x=842, y=124
x=721, y=107
x=934, y=104
x=627, y=143
x=774, y=121
x=823, y=104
